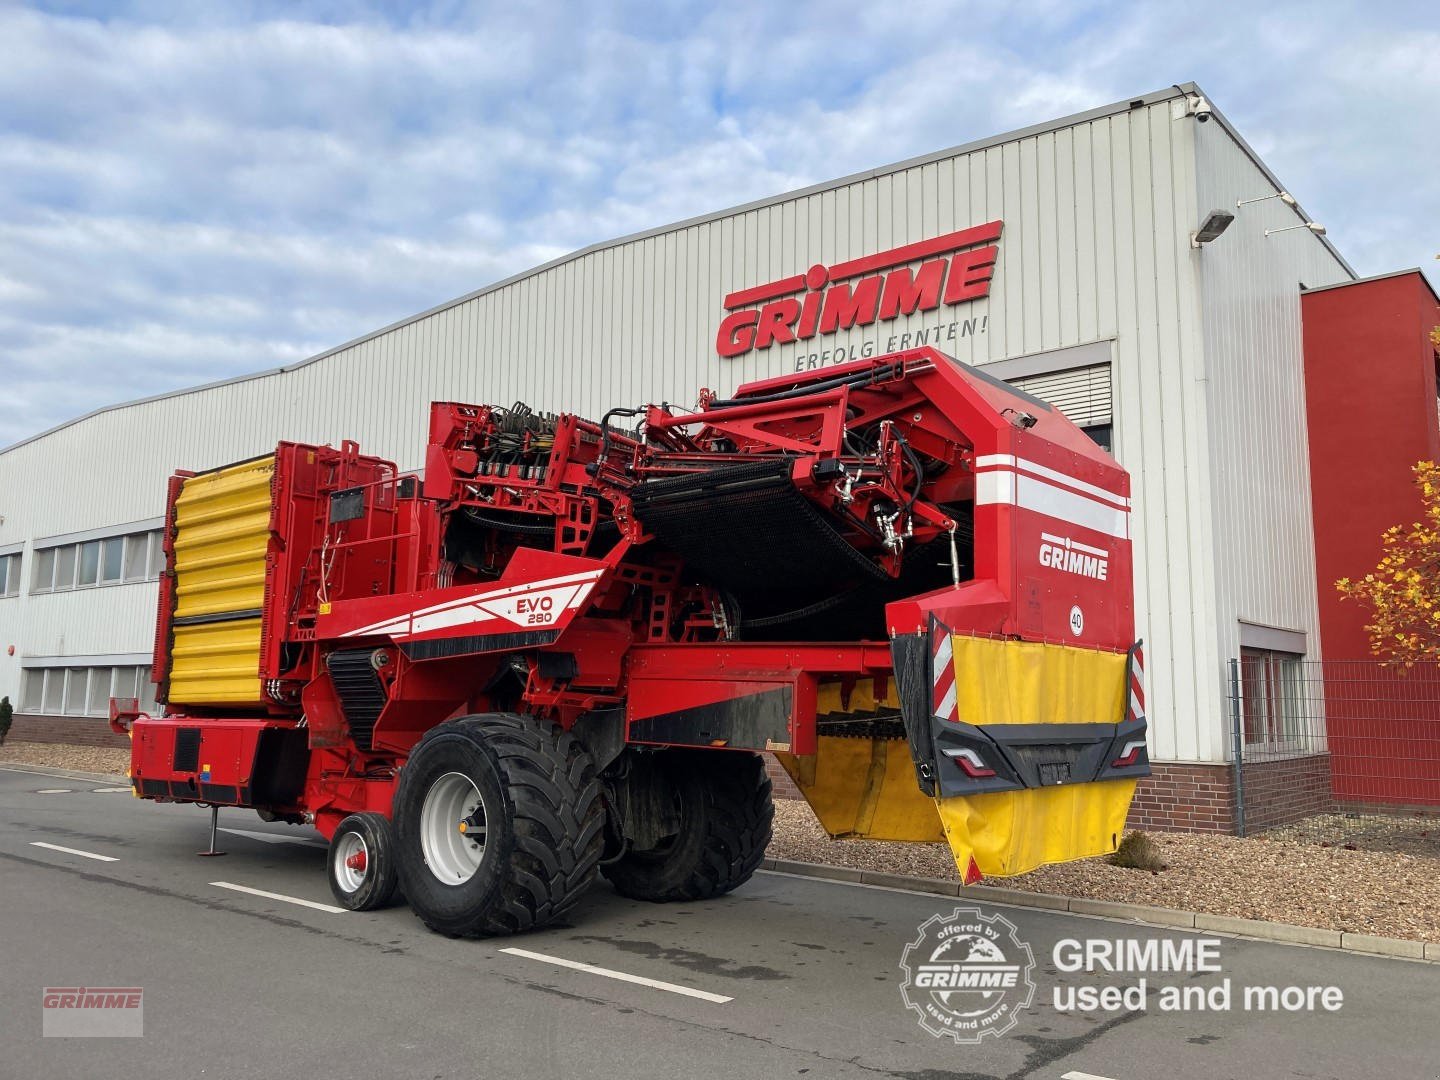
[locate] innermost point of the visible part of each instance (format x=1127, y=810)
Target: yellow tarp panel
x=1023, y=682
x=1010, y=832
x=222, y=530
x=866, y=788
x=863, y=787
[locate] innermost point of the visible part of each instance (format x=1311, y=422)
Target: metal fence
x=1342, y=752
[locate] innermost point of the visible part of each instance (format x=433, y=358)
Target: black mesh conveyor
x=748, y=531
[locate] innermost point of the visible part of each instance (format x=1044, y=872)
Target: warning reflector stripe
x=1137, y=685
x=943, y=673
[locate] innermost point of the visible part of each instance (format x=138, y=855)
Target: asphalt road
x=237, y=984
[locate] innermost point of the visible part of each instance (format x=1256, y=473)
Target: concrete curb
x=71, y=774
x=1140, y=913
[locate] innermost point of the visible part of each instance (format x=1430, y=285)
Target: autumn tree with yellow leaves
x=1403, y=591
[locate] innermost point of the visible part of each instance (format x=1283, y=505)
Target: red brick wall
x=784, y=787
x=74, y=730
x=1286, y=789
x=1185, y=798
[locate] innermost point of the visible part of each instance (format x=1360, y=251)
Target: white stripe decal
x=947, y=703
x=472, y=609
x=1043, y=498
x=1009, y=461
x=995, y=487
x=942, y=658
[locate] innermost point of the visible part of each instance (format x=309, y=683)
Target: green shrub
x=6, y=713
x=1138, y=852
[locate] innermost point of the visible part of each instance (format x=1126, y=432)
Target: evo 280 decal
x=536, y=605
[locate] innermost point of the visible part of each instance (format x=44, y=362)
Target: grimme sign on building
x=873, y=289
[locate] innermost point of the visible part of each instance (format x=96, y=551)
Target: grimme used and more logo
x=92, y=1012
x=859, y=292
x=967, y=975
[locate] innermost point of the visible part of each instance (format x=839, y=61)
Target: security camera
x=1200, y=108
x=1022, y=420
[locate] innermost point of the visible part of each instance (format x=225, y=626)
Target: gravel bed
x=1393, y=894
x=1415, y=834
x=102, y=759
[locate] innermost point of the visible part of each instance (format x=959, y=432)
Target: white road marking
x=279, y=896
x=275, y=838
x=107, y=790
x=55, y=774
x=1083, y=1076
x=73, y=851
x=656, y=984
x=54, y=791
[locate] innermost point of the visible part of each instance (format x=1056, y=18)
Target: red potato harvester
x=560, y=653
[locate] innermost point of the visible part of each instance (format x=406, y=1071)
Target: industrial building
x=1079, y=259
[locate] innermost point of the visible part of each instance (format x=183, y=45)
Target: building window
x=32, y=691
x=115, y=559
x=10, y=574
x=111, y=552
x=137, y=550
x=44, y=579
x=65, y=560
x=1102, y=435
x=1273, y=701
x=97, y=702
x=84, y=691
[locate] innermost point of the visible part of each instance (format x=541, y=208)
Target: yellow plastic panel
x=222, y=524
x=222, y=531
x=216, y=663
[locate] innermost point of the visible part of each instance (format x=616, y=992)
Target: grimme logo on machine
x=967, y=975
x=876, y=288
x=1063, y=553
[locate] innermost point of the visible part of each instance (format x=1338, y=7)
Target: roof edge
x=1417, y=271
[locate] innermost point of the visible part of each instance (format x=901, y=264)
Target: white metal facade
x=1203, y=346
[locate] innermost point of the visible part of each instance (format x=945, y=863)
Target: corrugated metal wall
x=1259, y=454
x=1097, y=218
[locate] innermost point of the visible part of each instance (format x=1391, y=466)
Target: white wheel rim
x=349, y=877
x=452, y=829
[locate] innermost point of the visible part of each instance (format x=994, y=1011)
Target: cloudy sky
x=193, y=191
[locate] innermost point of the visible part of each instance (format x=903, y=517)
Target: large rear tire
x=725, y=814
x=499, y=825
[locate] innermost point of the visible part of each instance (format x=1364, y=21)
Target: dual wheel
x=499, y=827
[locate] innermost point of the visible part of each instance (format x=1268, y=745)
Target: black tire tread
x=554, y=800
x=739, y=818
x=385, y=889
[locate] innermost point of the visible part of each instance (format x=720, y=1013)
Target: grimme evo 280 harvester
x=560, y=652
